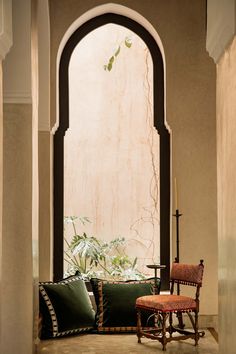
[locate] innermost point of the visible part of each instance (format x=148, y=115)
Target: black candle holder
x=177, y=215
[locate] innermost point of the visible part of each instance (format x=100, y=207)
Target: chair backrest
x=187, y=274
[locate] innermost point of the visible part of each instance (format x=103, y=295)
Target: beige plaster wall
x=44, y=67
x=220, y=26
x=20, y=207
x=45, y=209
x=190, y=95
x=1, y=189
x=34, y=164
x=17, y=76
x=17, y=293
x=226, y=162
x=44, y=144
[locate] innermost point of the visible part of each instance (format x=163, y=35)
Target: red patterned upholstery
x=187, y=273
x=166, y=303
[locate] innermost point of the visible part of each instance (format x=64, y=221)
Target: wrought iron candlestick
x=177, y=216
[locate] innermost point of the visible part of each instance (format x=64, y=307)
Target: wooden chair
x=164, y=306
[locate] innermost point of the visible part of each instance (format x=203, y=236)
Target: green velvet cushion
x=116, y=304
x=65, y=307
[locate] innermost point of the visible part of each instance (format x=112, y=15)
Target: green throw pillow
x=65, y=307
x=115, y=302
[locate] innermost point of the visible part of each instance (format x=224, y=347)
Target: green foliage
x=117, y=52
x=93, y=257
x=127, y=42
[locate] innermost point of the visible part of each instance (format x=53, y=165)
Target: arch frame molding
x=159, y=124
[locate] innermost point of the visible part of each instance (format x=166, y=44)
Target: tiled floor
x=126, y=343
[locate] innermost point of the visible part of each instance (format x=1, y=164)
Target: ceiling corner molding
x=17, y=97
x=44, y=126
x=221, y=26
x=5, y=27
x=219, y=40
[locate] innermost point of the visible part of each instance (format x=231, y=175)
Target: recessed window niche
x=112, y=148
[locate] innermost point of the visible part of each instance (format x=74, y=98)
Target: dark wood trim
x=159, y=123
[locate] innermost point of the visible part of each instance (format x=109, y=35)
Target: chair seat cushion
x=166, y=303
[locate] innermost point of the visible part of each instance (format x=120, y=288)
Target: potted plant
x=93, y=257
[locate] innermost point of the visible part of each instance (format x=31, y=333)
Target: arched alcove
x=159, y=124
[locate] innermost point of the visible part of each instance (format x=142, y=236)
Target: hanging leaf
x=118, y=51
x=128, y=42
x=134, y=263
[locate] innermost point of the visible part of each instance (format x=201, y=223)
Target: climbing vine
x=127, y=43
x=150, y=213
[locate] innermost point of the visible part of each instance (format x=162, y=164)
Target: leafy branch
x=127, y=42
x=91, y=256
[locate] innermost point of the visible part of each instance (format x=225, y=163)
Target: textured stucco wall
x=1, y=188
x=45, y=207
x=220, y=26
x=17, y=293
x=20, y=185
x=16, y=66
x=190, y=97
x=226, y=172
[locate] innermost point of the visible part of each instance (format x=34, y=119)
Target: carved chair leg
x=164, y=339
x=196, y=328
x=180, y=320
x=171, y=324
x=139, y=325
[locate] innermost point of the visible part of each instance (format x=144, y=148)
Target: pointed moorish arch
x=159, y=124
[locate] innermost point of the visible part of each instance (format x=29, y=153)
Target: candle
x=176, y=195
